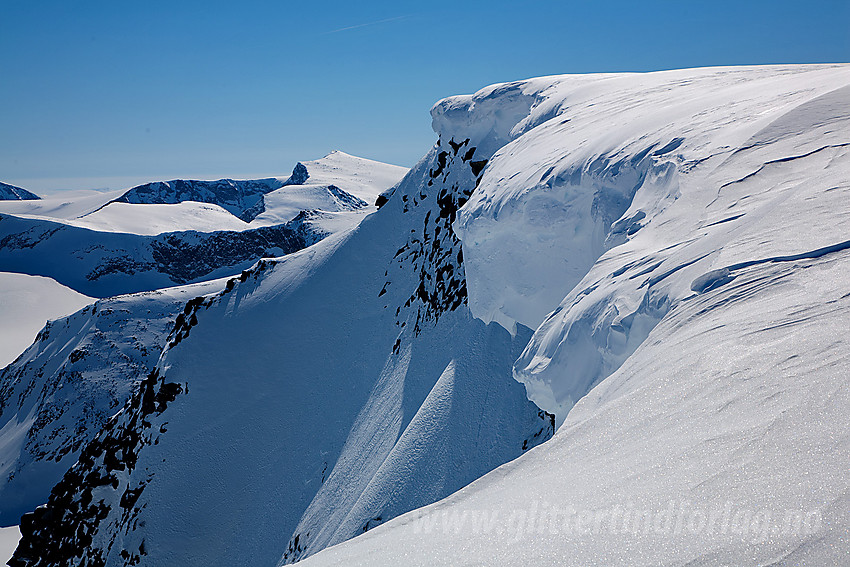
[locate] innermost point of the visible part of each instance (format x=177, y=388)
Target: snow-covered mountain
x=660, y=259
x=315, y=397
x=103, y=264
x=243, y=199
x=337, y=182
x=12, y=193
x=172, y=233
x=83, y=368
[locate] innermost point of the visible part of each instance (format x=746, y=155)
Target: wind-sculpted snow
x=595, y=219
x=315, y=397
x=720, y=441
x=12, y=193
x=81, y=370
x=704, y=348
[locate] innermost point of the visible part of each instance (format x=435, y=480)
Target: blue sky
x=107, y=94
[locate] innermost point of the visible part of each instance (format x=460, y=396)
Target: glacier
x=601, y=322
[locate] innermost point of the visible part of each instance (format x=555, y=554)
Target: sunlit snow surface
x=26, y=302
x=8, y=541
x=711, y=319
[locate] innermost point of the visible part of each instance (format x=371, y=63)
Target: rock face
x=12, y=193
x=244, y=199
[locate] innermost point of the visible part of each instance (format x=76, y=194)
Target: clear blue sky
x=97, y=94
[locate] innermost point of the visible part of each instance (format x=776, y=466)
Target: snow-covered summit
x=630, y=163
x=330, y=189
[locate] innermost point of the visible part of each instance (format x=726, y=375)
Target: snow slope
x=9, y=538
x=157, y=219
x=12, y=193
x=712, y=325
x=317, y=396
x=65, y=205
x=26, y=304
x=80, y=370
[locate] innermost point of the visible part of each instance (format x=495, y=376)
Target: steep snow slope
x=12, y=193
x=80, y=371
x=26, y=303
x=712, y=324
x=9, y=538
x=721, y=441
x=317, y=396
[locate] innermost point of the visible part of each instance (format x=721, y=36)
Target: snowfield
x=656, y=264
x=26, y=304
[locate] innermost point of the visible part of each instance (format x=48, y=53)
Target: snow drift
x=702, y=344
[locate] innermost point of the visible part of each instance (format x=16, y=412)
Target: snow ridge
x=102, y=264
